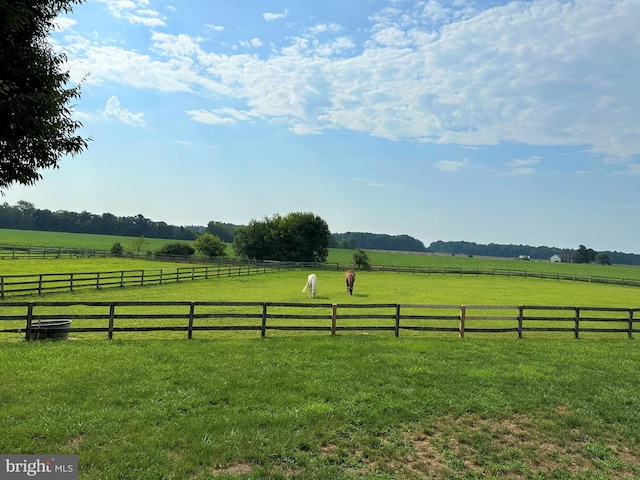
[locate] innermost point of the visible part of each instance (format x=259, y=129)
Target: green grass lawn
x=232, y=405
x=345, y=407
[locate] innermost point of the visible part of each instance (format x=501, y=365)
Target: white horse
x=312, y=285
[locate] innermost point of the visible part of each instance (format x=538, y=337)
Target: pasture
x=309, y=405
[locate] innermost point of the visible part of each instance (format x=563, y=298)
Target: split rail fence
x=196, y=318
x=31, y=284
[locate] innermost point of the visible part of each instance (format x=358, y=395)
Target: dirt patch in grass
x=511, y=448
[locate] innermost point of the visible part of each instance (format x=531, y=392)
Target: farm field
x=344, y=407
x=232, y=405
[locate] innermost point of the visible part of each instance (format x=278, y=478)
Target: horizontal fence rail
x=31, y=284
x=193, y=318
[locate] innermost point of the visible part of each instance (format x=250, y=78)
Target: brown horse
x=350, y=278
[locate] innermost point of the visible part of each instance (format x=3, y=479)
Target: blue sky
x=482, y=121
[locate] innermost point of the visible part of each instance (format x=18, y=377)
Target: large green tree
x=297, y=237
x=36, y=127
x=210, y=245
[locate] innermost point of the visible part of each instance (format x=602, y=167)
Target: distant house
x=568, y=256
x=555, y=259
x=524, y=257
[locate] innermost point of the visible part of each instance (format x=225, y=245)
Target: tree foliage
x=36, y=128
x=361, y=259
x=224, y=231
x=297, y=237
x=377, y=241
x=176, y=248
x=210, y=245
x=584, y=255
x=25, y=216
x=603, y=259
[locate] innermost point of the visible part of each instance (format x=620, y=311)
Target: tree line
x=581, y=255
x=25, y=216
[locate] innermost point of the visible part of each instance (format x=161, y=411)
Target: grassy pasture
x=370, y=288
x=34, y=238
x=345, y=407
x=311, y=406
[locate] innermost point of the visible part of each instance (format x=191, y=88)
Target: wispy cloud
x=112, y=109
x=222, y=116
x=370, y=183
x=451, y=165
x=271, y=17
x=522, y=166
x=432, y=74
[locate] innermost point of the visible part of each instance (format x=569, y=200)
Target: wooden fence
x=31, y=284
x=194, y=318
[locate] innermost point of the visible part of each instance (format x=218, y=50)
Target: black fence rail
x=194, y=318
x=32, y=284
x=31, y=252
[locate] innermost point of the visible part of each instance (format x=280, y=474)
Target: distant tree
x=603, y=259
x=584, y=255
x=36, y=128
x=177, y=249
x=224, y=231
x=117, y=249
x=210, y=245
x=361, y=259
x=297, y=237
x=138, y=243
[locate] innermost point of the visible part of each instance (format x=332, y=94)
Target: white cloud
x=543, y=72
x=451, y=165
x=63, y=23
x=222, y=116
x=134, y=12
x=112, y=109
x=215, y=28
x=522, y=166
x=370, y=183
x=271, y=17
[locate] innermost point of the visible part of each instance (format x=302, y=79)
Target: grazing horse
x=311, y=285
x=350, y=278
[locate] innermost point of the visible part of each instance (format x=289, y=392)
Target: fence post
x=29, y=320
x=263, y=326
x=121, y=278
x=576, y=333
x=334, y=314
x=397, y=329
x=71, y=282
x=463, y=316
x=190, y=329
x=520, y=319
x=142, y=278
x=40, y=285
x=630, y=329
x=112, y=314
x=98, y=280
x=2, y=287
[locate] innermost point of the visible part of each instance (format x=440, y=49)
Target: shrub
x=176, y=248
x=117, y=249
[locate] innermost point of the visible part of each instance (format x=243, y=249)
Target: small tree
x=138, y=243
x=210, y=245
x=361, y=259
x=603, y=259
x=176, y=249
x=117, y=249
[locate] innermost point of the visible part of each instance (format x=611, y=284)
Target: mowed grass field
x=310, y=406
